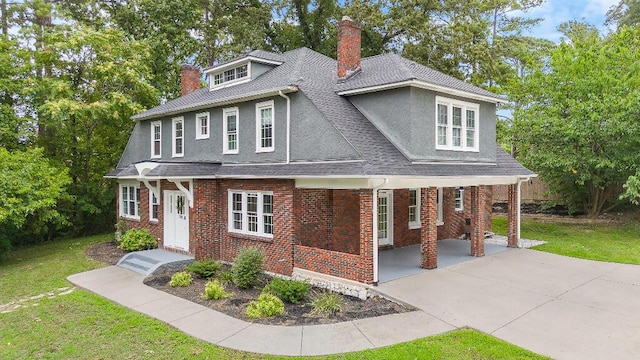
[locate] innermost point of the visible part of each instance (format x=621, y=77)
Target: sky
x=556, y=12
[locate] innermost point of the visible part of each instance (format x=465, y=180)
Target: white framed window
x=456, y=125
x=130, y=201
x=177, y=140
x=156, y=139
x=264, y=127
x=234, y=75
x=414, y=208
x=154, y=205
x=459, y=199
x=251, y=212
x=439, y=206
x=202, y=125
x=230, y=130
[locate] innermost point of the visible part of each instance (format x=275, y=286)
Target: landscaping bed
x=236, y=306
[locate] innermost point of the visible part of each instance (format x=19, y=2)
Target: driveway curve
x=562, y=307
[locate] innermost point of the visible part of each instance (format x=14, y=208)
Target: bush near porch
x=618, y=243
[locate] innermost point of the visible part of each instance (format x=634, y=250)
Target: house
x=321, y=163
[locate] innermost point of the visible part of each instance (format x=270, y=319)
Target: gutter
x=375, y=230
x=288, y=125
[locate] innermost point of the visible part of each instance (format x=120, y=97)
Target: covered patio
x=405, y=261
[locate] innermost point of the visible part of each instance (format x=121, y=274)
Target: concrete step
x=148, y=262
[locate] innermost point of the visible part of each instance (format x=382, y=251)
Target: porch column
x=512, y=216
x=477, y=220
x=366, y=236
x=429, y=227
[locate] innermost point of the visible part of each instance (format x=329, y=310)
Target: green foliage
x=290, y=291
x=247, y=266
x=137, y=239
x=225, y=277
x=626, y=12
x=632, y=188
x=31, y=188
x=181, y=279
x=326, y=303
x=214, y=290
x=580, y=127
x=204, y=268
x=267, y=305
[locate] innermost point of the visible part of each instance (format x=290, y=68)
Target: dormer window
x=231, y=75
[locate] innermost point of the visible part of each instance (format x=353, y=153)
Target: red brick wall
x=328, y=219
x=279, y=249
x=205, y=220
x=328, y=262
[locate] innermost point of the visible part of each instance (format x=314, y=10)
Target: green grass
x=618, y=243
x=84, y=325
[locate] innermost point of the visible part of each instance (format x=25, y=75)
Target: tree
x=626, y=12
x=30, y=188
x=580, y=120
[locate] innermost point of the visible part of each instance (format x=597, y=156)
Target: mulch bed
x=295, y=314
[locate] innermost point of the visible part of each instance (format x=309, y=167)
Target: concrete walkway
x=554, y=305
x=125, y=287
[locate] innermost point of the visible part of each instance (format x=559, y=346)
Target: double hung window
x=251, y=212
x=456, y=125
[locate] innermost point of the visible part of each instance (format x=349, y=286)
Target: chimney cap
x=346, y=18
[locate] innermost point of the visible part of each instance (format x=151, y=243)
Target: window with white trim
x=130, y=201
x=251, y=212
x=264, y=126
x=202, y=125
x=230, y=130
x=456, y=125
x=156, y=139
x=231, y=75
x=178, y=137
x=459, y=199
x=154, y=205
x=414, y=208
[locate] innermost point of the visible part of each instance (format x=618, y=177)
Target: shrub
x=247, y=267
x=225, y=277
x=290, y=291
x=180, y=279
x=135, y=240
x=205, y=268
x=266, y=305
x=213, y=290
x=326, y=303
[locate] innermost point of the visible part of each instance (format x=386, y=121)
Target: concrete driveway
x=557, y=306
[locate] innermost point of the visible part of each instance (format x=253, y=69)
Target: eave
x=424, y=85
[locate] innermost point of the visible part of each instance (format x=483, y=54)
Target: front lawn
x=618, y=243
x=84, y=325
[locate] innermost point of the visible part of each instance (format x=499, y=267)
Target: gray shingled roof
x=267, y=55
x=315, y=75
x=387, y=69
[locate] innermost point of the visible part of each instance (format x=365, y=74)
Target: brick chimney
x=189, y=79
x=349, y=37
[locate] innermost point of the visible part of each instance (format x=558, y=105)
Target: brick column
x=512, y=216
x=477, y=220
x=429, y=228
x=366, y=236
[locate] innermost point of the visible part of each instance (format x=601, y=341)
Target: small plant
x=247, y=267
x=213, y=290
x=290, y=291
x=326, y=303
x=135, y=240
x=204, y=268
x=225, y=277
x=266, y=305
x=180, y=279
x=121, y=228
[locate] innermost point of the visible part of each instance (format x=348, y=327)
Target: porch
x=405, y=261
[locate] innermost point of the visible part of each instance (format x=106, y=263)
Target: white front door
x=385, y=217
x=176, y=220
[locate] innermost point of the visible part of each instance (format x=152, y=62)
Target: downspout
x=288, y=125
x=518, y=201
x=375, y=231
